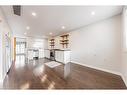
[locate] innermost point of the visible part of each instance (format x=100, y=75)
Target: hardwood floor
x=37, y=75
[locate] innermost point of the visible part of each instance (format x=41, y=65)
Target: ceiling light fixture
x=28, y=28
x=25, y=33
x=50, y=33
x=63, y=27
x=34, y=14
x=92, y=13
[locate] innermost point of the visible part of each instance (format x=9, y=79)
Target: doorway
x=20, y=52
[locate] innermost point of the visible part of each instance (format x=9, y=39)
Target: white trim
x=105, y=70
x=1, y=83
x=1, y=59
x=124, y=79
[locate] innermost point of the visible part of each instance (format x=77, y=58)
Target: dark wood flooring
x=36, y=75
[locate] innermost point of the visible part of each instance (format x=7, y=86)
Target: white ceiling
x=52, y=18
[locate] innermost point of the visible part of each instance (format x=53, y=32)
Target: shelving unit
x=64, y=40
x=52, y=43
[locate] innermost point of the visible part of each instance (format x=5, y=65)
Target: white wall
x=36, y=43
x=5, y=30
x=97, y=45
x=124, y=47
x=0, y=55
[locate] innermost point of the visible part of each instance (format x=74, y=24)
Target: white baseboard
x=105, y=70
x=1, y=83
x=124, y=79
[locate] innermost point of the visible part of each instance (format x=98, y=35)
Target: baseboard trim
x=105, y=70
x=124, y=79
x=1, y=83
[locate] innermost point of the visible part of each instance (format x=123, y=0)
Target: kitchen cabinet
x=47, y=53
x=36, y=53
x=41, y=53
x=62, y=56
x=30, y=54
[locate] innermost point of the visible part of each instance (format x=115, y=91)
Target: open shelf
x=52, y=43
x=64, y=40
x=66, y=35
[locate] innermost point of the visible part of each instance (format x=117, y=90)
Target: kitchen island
x=59, y=55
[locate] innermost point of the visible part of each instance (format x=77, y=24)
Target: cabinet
x=62, y=56
x=30, y=54
x=36, y=53
x=47, y=53
x=41, y=53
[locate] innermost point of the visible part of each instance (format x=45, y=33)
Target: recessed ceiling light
x=63, y=27
x=28, y=28
x=34, y=14
x=50, y=33
x=25, y=33
x=92, y=13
